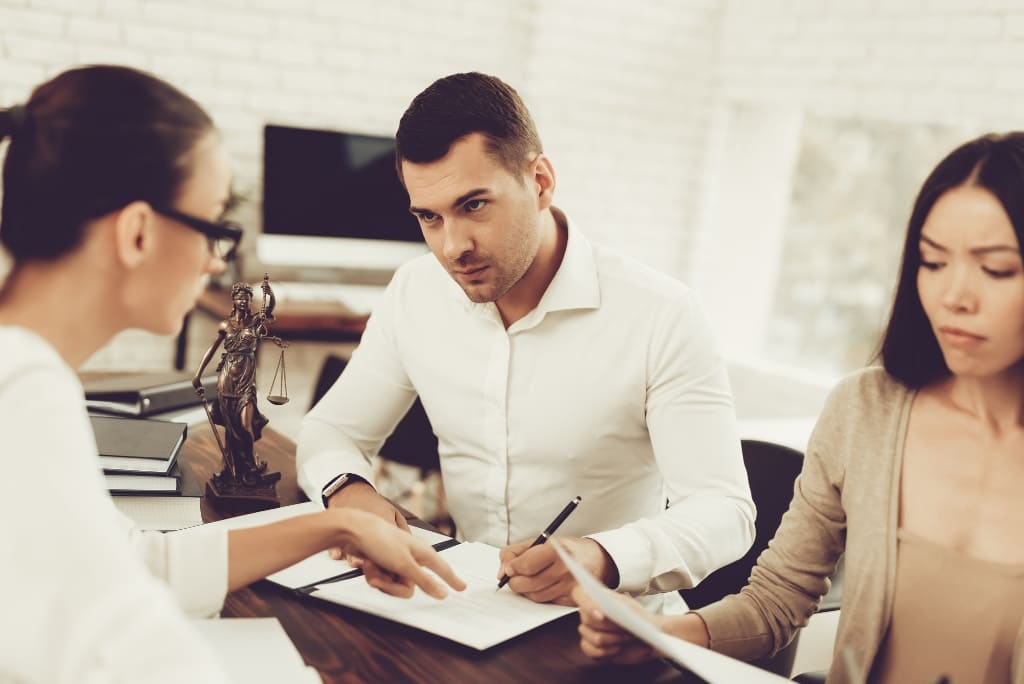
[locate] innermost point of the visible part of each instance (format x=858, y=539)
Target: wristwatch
x=338, y=483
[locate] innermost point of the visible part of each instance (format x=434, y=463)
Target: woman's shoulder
x=871, y=383
x=25, y=352
x=866, y=395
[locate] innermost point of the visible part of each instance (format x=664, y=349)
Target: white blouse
x=87, y=597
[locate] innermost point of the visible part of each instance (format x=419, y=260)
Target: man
x=549, y=368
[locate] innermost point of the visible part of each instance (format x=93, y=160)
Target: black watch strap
x=339, y=483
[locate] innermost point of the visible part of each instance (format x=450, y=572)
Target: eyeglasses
x=223, y=236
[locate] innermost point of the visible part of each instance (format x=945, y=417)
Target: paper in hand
x=714, y=668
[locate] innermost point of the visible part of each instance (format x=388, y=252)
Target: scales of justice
x=244, y=482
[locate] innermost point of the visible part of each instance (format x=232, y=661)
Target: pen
x=358, y=572
x=543, y=537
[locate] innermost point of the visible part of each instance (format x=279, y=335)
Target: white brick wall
x=928, y=61
x=620, y=90
x=623, y=92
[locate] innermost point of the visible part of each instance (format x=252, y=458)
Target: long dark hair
x=88, y=142
x=455, y=106
x=909, y=350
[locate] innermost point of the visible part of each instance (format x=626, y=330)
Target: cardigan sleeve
x=791, y=575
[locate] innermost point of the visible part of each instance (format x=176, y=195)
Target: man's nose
x=457, y=241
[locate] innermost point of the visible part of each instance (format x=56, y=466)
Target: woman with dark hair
x=114, y=186
x=914, y=469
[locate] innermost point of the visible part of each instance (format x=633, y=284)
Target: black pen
x=555, y=524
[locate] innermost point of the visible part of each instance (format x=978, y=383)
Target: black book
x=146, y=393
x=137, y=445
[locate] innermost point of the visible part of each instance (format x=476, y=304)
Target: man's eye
x=475, y=205
x=426, y=216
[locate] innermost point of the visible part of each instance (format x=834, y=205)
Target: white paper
x=163, y=513
x=317, y=567
x=480, y=616
x=714, y=668
x=256, y=651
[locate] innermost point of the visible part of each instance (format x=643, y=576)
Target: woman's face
x=971, y=282
x=186, y=261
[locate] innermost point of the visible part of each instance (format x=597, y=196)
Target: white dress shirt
x=80, y=604
x=610, y=389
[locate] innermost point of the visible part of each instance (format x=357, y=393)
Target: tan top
x=952, y=615
x=846, y=498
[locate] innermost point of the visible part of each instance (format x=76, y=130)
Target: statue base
x=257, y=492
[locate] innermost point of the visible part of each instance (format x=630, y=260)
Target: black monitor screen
x=332, y=184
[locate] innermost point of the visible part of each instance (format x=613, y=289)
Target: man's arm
x=692, y=424
x=344, y=431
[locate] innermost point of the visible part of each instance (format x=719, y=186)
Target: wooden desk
x=315, y=321
x=349, y=646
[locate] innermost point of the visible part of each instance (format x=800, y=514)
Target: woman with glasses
x=114, y=185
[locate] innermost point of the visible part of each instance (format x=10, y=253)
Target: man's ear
x=543, y=177
x=133, y=233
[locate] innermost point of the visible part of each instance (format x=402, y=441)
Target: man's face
x=480, y=220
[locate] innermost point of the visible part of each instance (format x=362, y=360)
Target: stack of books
x=131, y=416
x=139, y=455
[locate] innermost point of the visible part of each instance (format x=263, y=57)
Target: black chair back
x=772, y=470
x=412, y=443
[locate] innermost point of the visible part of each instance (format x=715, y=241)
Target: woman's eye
x=999, y=273
x=931, y=265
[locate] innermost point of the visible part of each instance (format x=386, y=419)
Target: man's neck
x=526, y=294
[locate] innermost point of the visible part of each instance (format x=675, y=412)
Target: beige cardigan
x=846, y=498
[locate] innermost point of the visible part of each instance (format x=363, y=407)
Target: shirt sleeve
x=347, y=427
x=83, y=605
x=709, y=521
x=193, y=563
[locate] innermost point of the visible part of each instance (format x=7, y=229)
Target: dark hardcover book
x=146, y=393
x=137, y=445
x=121, y=483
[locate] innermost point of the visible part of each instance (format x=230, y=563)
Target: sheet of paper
x=164, y=513
x=317, y=567
x=256, y=651
x=479, y=617
x=714, y=668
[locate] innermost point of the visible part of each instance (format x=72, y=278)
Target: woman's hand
x=393, y=560
x=602, y=639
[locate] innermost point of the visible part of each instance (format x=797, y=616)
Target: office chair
x=772, y=470
x=413, y=442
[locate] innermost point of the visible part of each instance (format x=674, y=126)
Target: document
x=479, y=617
x=712, y=667
x=256, y=651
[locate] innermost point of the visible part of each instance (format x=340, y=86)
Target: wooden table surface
x=348, y=646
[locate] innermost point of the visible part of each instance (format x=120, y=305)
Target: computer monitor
x=332, y=200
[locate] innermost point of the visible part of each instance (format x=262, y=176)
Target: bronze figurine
x=244, y=482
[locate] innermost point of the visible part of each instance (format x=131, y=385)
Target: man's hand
x=393, y=559
x=363, y=497
x=540, y=575
x=602, y=639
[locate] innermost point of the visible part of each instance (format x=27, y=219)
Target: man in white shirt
x=549, y=368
